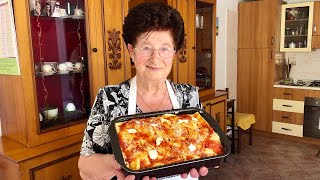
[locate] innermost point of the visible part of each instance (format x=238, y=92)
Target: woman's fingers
x=203, y=171
x=194, y=173
x=119, y=174
x=130, y=177
x=146, y=178
x=184, y=175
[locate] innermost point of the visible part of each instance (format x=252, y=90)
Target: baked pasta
x=166, y=139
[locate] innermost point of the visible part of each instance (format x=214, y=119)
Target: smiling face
x=151, y=66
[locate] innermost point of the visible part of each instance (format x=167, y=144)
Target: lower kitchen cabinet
x=64, y=169
x=216, y=105
x=52, y=161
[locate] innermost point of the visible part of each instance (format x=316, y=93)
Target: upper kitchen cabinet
x=52, y=97
x=259, y=22
x=316, y=26
x=296, y=27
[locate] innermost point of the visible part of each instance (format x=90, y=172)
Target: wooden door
x=316, y=26
x=184, y=64
x=117, y=59
x=250, y=28
x=270, y=18
x=265, y=90
x=316, y=19
x=247, y=89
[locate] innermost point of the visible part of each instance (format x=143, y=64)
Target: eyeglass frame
x=173, y=51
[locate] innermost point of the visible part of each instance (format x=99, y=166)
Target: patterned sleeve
x=188, y=95
x=96, y=136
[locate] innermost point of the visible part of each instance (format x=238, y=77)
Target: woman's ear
x=130, y=49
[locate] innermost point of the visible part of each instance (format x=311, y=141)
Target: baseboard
x=307, y=140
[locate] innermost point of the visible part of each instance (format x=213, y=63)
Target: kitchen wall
x=307, y=65
x=226, y=46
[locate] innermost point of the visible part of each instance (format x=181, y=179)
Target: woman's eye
x=146, y=48
x=164, y=49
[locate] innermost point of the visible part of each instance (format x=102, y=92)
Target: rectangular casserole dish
x=176, y=168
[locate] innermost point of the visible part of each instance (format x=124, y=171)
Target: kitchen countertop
x=306, y=86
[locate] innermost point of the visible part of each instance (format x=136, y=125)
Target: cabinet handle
x=209, y=104
x=94, y=49
x=272, y=40
x=285, y=117
x=286, y=105
x=286, y=129
x=271, y=55
x=288, y=94
x=314, y=28
x=218, y=117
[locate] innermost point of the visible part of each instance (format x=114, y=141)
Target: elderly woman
x=153, y=32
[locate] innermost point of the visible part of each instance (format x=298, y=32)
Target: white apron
x=132, y=110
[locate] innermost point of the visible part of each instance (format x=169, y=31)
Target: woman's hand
x=203, y=171
x=99, y=166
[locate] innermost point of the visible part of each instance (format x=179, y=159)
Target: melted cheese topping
x=167, y=139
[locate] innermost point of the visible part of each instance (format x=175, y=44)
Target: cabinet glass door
x=60, y=62
x=204, y=39
x=296, y=27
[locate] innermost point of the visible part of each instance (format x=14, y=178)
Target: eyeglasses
x=164, y=52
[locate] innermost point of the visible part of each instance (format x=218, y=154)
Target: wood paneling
x=249, y=30
x=57, y=170
x=316, y=26
x=217, y=107
x=288, y=117
x=289, y=94
x=312, y=93
x=316, y=19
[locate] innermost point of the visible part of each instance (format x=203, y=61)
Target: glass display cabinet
x=296, y=27
x=204, y=46
x=60, y=58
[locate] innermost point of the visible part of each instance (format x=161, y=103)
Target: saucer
x=77, y=17
x=63, y=72
x=66, y=16
x=46, y=73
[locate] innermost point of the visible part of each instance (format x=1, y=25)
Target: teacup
x=62, y=67
x=50, y=113
x=70, y=107
x=78, y=66
x=63, y=12
x=78, y=12
x=70, y=66
x=48, y=68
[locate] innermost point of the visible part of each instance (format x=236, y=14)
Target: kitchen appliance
x=311, y=124
x=315, y=83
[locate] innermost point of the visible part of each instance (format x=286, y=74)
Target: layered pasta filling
x=166, y=139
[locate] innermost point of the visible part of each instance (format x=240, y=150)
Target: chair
x=242, y=121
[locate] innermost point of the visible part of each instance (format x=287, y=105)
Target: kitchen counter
x=306, y=86
x=297, y=87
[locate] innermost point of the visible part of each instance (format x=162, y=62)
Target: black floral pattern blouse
x=111, y=102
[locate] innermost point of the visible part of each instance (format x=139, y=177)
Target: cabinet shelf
x=293, y=36
x=43, y=74
x=297, y=20
x=67, y=119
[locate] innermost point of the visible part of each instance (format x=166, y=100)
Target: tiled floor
x=270, y=158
